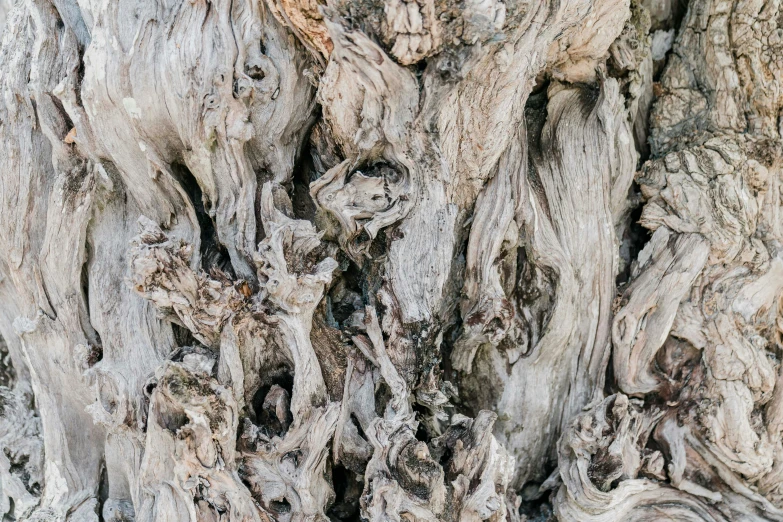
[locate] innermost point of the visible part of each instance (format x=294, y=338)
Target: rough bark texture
x=391, y=260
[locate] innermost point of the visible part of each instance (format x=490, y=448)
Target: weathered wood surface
x=288, y=260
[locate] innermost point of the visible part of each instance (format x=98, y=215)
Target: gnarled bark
x=282, y=260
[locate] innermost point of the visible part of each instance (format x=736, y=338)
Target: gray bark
x=292, y=260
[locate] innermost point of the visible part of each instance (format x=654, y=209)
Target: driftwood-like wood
x=391, y=260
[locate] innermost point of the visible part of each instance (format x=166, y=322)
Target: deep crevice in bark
x=213, y=253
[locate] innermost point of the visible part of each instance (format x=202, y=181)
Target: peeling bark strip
x=328, y=260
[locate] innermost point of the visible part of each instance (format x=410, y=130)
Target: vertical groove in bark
x=283, y=260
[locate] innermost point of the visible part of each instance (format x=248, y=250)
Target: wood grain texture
x=391, y=260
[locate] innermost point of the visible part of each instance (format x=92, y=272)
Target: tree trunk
x=312, y=260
